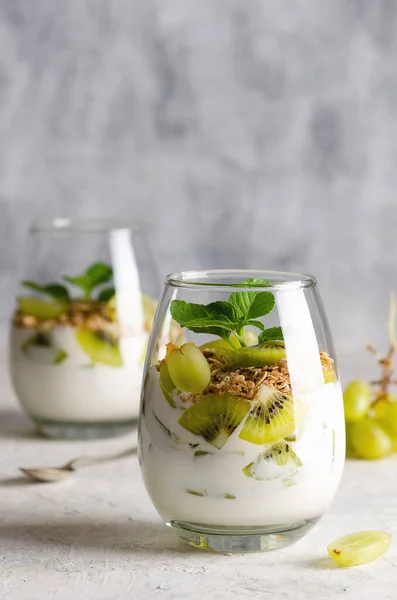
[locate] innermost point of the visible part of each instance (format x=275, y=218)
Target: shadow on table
x=129, y=537
x=15, y=424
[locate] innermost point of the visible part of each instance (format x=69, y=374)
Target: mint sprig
x=223, y=318
x=96, y=275
x=53, y=290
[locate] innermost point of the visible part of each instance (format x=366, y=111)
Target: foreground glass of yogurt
x=80, y=328
x=241, y=431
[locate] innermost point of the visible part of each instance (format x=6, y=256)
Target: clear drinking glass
x=241, y=430
x=81, y=325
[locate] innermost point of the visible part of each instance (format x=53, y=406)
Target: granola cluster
x=92, y=316
x=245, y=382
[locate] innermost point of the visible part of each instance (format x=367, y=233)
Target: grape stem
x=386, y=362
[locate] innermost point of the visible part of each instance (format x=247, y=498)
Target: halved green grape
x=166, y=384
x=100, y=346
x=356, y=400
x=40, y=309
x=188, y=369
x=369, y=440
x=359, y=548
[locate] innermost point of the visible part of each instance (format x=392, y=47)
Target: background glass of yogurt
x=254, y=460
x=81, y=324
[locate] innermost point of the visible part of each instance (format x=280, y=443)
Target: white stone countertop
x=97, y=536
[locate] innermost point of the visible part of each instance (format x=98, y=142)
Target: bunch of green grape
x=371, y=424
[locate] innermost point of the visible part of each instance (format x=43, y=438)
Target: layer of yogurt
x=190, y=480
x=76, y=389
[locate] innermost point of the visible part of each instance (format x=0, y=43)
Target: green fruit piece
x=100, y=346
x=272, y=417
x=281, y=453
x=359, y=548
x=188, y=369
x=369, y=440
x=40, y=309
x=389, y=421
x=379, y=407
x=268, y=353
x=215, y=417
x=167, y=385
x=356, y=400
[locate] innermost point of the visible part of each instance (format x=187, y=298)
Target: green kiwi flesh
x=167, y=385
x=268, y=353
x=272, y=417
x=279, y=454
x=100, y=346
x=215, y=417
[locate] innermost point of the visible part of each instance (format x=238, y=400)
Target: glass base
x=241, y=539
x=84, y=431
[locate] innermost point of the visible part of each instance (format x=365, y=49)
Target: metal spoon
x=53, y=474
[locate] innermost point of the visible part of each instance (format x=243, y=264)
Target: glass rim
x=86, y=225
x=278, y=280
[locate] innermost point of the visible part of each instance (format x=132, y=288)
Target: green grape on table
x=369, y=440
x=388, y=420
x=359, y=548
x=188, y=369
x=356, y=400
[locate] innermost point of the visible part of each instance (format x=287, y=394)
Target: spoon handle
x=90, y=460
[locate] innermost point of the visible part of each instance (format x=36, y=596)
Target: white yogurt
x=76, y=390
x=283, y=495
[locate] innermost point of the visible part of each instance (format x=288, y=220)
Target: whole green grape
x=188, y=369
x=356, y=400
x=389, y=421
x=369, y=440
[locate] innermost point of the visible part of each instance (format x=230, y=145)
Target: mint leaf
x=250, y=305
x=218, y=318
x=274, y=333
x=257, y=324
x=106, y=294
x=99, y=273
x=95, y=275
x=223, y=318
x=53, y=290
x=253, y=282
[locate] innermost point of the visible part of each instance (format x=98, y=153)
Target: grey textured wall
x=251, y=133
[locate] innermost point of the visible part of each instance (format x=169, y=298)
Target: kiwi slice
x=215, y=417
x=272, y=417
x=279, y=454
x=167, y=385
x=268, y=353
x=100, y=346
x=41, y=309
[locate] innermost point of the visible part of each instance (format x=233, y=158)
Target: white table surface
x=97, y=535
